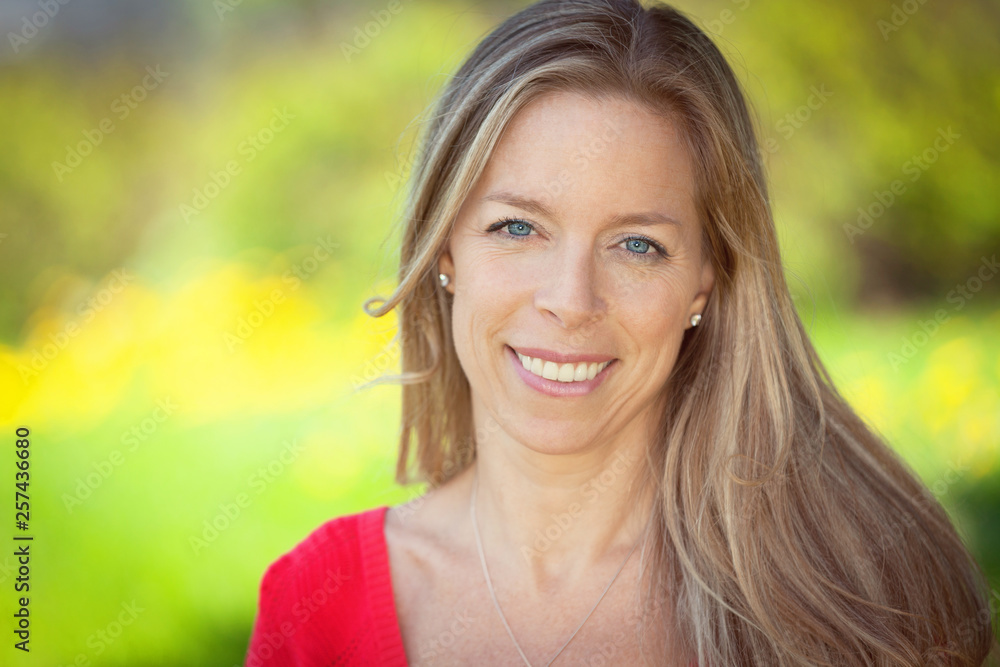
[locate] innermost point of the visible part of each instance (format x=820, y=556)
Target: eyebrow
x=646, y=218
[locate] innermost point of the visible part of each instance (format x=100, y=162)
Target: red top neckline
x=329, y=600
x=378, y=576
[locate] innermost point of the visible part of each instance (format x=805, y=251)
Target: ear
x=707, y=282
x=447, y=267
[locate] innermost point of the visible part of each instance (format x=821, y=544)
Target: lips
x=554, y=387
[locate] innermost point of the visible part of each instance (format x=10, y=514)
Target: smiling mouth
x=561, y=372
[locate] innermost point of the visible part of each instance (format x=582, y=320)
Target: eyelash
x=657, y=247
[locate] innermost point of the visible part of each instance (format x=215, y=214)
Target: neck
x=553, y=519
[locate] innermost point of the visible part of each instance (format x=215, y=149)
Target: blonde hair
x=785, y=531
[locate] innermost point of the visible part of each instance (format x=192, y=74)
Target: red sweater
x=329, y=600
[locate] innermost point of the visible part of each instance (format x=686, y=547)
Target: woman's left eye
x=638, y=245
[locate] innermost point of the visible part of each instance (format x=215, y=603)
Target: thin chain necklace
x=489, y=582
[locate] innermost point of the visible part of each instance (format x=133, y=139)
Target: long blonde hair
x=786, y=532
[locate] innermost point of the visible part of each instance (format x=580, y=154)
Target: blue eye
x=640, y=245
x=516, y=228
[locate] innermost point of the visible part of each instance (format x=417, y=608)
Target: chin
x=549, y=436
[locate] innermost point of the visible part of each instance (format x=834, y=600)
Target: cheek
x=490, y=281
x=651, y=309
x=653, y=318
x=484, y=296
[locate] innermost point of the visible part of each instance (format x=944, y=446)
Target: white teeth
x=561, y=372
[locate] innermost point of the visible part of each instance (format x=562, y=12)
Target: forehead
x=565, y=147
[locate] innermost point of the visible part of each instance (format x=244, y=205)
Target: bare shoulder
x=429, y=566
x=432, y=520
x=425, y=535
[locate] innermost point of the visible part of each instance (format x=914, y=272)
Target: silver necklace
x=489, y=582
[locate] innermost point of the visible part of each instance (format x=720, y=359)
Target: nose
x=568, y=291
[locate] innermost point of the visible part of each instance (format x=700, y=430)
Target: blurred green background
x=194, y=203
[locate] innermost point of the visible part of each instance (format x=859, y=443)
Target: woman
x=635, y=454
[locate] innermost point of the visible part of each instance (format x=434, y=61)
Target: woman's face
x=580, y=243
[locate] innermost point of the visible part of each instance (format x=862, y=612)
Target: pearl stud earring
x=695, y=319
x=444, y=279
